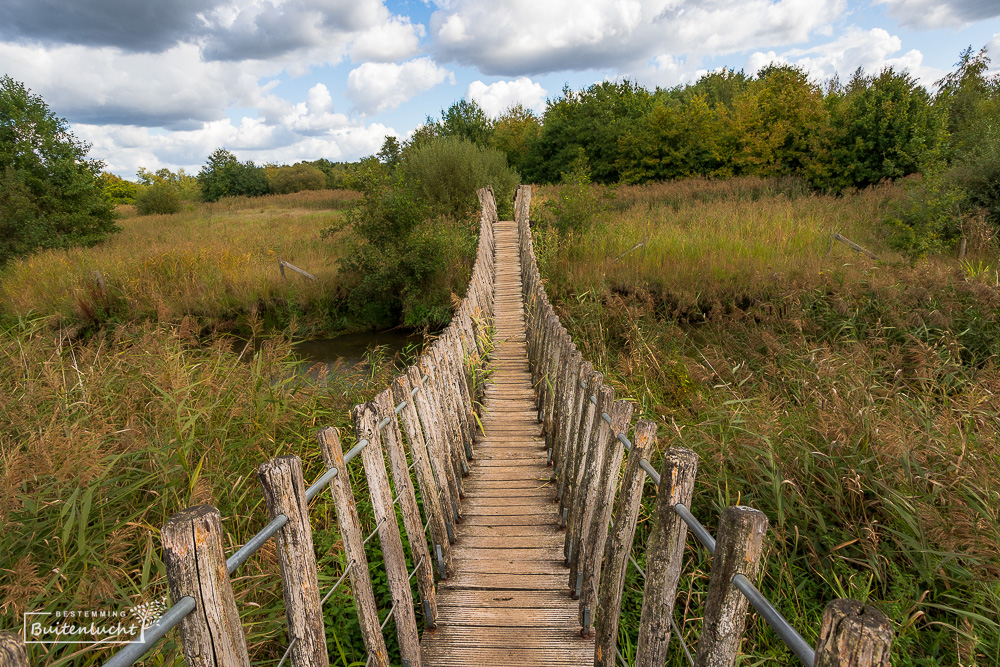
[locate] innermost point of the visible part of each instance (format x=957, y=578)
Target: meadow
x=853, y=401
x=213, y=262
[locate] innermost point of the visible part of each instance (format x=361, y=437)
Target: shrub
x=158, y=199
x=447, y=171
x=295, y=178
x=117, y=190
x=575, y=203
x=404, y=263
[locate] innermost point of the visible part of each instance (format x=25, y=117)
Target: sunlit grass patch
x=211, y=260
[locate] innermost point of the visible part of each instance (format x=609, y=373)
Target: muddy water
x=343, y=353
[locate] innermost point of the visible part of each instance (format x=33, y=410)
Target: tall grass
x=853, y=402
x=701, y=244
x=104, y=439
x=213, y=261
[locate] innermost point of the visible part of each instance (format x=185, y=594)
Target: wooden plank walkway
x=508, y=603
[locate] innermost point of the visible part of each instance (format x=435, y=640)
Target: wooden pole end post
x=196, y=567
x=853, y=634
x=738, y=551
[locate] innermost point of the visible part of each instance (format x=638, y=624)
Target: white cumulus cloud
x=528, y=37
x=376, y=87
x=496, y=98
x=871, y=50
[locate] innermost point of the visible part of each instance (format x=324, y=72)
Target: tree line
x=777, y=122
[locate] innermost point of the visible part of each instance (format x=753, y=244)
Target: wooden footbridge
x=517, y=451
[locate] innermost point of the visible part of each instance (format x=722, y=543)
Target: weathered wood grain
x=285, y=493
x=618, y=546
x=412, y=521
x=664, y=555
x=853, y=635
x=211, y=635
x=738, y=549
x=12, y=650
x=366, y=427
x=354, y=549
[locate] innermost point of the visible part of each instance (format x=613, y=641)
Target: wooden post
x=412, y=521
x=853, y=635
x=619, y=546
x=557, y=358
x=366, y=426
x=354, y=548
x=285, y=493
x=196, y=567
x=576, y=496
x=450, y=439
x=430, y=491
x=738, y=549
x=599, y=509
x=436, y=447
x=577, y=410
x=12, y=650
x=567, y=398
x=664, y=555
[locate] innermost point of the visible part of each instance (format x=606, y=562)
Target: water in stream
x=342, y=353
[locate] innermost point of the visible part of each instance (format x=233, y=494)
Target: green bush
x=404, y=263
x=295, y=178
x=50, y=192
x=117, y=190
x=575, y=204
x=158, y=199
x=930, y=218
x=446, y=172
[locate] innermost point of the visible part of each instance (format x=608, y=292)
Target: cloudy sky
x=162, y=83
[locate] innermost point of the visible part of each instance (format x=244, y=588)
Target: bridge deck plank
x=508, y=603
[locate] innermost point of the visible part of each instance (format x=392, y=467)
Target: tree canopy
x=50, y=192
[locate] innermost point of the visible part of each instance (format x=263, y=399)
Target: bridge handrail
x=559, y=372
x=445, y=358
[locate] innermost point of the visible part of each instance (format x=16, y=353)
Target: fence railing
x=587, y=436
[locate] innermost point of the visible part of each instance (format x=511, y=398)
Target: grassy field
x=103, y=440
x=215, y=263
x=853, y=401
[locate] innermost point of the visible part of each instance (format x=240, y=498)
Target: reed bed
x=105, y=439
x=852, y=401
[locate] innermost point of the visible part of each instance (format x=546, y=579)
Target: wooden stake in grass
x=196, y=567
x=853, y=635
x=665, y=555
x=619, y=546
x=412, y=522
x=737, y=551
x=354, y=548
x=366, y=426
x=285, y=493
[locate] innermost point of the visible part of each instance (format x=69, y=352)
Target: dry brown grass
x=211, y=260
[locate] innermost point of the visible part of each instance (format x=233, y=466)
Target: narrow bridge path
x=508, y=603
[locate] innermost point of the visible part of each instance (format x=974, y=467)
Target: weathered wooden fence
x=587, y=437
x=433, y=404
